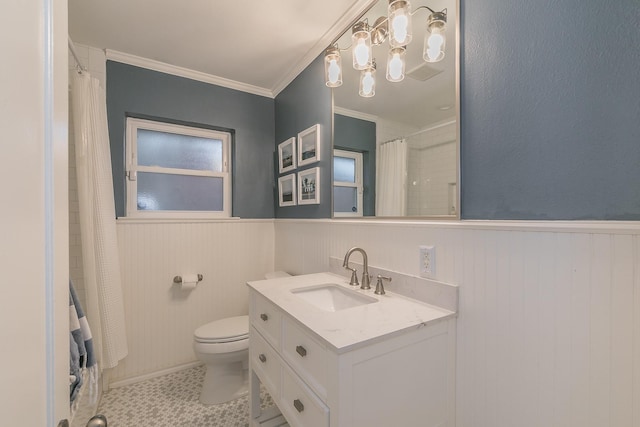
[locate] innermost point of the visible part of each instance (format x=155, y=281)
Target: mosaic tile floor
x=172, y=401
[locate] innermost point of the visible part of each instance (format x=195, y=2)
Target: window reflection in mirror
x=408, y=132
x=347, y=183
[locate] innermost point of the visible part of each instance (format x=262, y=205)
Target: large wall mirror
x=396, y=153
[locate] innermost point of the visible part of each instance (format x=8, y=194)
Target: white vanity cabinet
x=403, y=378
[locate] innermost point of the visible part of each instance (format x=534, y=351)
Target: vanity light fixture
x=368, y=81
x=435, y=39
x=361, y=42
x=333, y=67
x=400, y=31
x=396, y=64
x=397, y=27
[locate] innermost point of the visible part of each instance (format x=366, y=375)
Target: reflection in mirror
x=347, y=183
x=406, y=132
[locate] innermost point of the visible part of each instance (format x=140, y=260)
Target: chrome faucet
x=366, y=279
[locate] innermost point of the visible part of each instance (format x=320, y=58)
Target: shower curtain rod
x=419, y=132
x=72, y=48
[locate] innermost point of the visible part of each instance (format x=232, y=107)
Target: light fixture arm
x=429, y=9
x=341, y=49
x=380, y=22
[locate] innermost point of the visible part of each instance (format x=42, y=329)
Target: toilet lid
x=224, y=330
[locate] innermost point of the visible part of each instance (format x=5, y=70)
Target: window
x=176, y=171
x=347, y=183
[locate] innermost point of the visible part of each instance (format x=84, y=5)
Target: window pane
x=166, y=192
x=170, y=150
x=345, y=199
x=344, y=169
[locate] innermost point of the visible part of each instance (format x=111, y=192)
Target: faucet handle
x=379, y=286
x=354, y=277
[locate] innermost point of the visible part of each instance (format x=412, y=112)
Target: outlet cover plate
x=427, y=261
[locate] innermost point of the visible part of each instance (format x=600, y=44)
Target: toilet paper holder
x=178, y=279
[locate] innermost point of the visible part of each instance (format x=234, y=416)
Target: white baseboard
x=155, y=374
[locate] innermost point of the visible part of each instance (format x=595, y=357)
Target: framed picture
x=309, y=187
x=287, y=190
x=309, y=145
x=287, y=155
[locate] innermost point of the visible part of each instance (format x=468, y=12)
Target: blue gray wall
x=138, y=91
x=550, y=115
x=359, y=135
x=550, y=109
x=303, y=103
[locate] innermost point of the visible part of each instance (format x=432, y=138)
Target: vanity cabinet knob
x=298, y=405
x=264, y=317
x=262, y=358
x=301, y=351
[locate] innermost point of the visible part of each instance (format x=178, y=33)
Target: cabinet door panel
x=300, y=405
x=266, y=363
x=306, y=355
x=267, y=319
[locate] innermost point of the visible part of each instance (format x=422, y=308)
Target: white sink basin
x=332, y=297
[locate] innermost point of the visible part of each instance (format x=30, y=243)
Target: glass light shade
x=333, y=67
x=400, y=29
x=368, y=82
x=435, y=38
x=361, y=42
x=396, y=61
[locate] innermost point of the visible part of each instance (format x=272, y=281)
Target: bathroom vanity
x=333, y=355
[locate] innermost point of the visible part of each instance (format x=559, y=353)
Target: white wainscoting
x=549, y=321
x=161, y=318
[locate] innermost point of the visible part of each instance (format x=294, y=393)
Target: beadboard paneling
x=160, y=317
x=549, y=321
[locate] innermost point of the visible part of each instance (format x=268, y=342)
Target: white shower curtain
x=105, y=306
x=391, y=192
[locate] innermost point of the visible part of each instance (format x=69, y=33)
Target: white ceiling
x=262, y=44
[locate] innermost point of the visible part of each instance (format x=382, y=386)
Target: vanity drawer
x=267, y=318
x=265, y=363
x=307, y=356
x=299, y=404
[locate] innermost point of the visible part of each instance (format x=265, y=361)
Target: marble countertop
x=344, y=330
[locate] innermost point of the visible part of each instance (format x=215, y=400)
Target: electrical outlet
x=427, y=261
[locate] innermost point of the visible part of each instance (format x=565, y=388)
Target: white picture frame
x=309, y=187
x=309, y=145
x=287, y=155
x=287, y=190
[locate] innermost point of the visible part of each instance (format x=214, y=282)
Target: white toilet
x=223, y=346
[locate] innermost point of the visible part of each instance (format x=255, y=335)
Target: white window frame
x=132, y=169
x=357, y=157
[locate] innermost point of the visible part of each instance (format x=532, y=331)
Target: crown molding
x=355, y=114
x=348, y=18
x=163, y=67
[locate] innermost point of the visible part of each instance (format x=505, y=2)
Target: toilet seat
x=231, y=329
